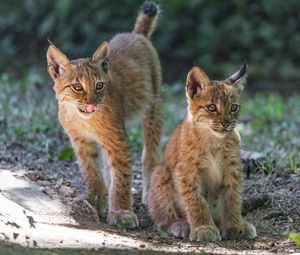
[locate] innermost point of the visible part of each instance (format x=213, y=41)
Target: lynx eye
x=234, y=108
x=212, y=107
x=100, y=86
x=77, y=87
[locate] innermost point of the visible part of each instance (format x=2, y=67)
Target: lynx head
x=214, y=104
x=80, y=82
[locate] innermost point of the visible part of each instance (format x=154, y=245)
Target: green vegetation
x=28, y=114
x=295, y=237
x=218, y=35
x=66, y=153
x=270, y=124
x=94, y=200
x=122, y=223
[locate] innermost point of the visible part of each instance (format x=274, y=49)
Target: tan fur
x=197, y=187
x=128, y=68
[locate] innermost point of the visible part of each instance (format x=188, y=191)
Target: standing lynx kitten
x=96, y=95
x=197, y=187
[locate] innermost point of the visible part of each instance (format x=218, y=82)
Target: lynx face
x=214, y=104
x=82, y=83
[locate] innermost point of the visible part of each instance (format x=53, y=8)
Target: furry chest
x=212, y=167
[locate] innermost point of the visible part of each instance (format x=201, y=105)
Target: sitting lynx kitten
x=197, y=187
x=96, y=95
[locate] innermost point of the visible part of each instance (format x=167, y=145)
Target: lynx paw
x=123, y=219
x=205, y=233
x=180, y=228
x=244, y=230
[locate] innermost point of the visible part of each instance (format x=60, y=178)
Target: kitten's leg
x=161, y=204
x=119, y=160
x=88, y=157
x=151, y=153
x=232, y=225
x=201, y=223
x=105, y=168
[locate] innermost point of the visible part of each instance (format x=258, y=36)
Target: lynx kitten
x=196, y=190
x=96, y=95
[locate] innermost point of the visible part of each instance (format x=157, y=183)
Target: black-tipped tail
x=146, y=20
x=149, y=8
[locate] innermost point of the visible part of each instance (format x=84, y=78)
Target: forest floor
x=43, y=205
x=43, y=201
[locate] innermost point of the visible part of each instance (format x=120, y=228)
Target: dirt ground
x=271, y=203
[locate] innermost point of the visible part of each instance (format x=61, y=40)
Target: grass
x=269, y=122
x=28, y=114
x=295, y=237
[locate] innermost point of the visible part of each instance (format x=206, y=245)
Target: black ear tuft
x=237, y=76
x=243, y=69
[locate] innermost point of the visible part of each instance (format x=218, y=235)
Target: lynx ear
x=101, y=56
x=238, y=79
x=57, y=61
x=195, y=82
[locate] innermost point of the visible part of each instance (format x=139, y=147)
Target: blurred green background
x=217, y=35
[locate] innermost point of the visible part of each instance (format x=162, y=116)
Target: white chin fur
x=72, y=109
x=85, y=116
x=219, y=134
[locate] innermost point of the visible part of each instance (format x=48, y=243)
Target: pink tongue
x=90, y=107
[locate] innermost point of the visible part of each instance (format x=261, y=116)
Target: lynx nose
x=225, y=124
x=90, y=107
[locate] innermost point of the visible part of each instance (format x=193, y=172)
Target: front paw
x=243, y=230
x=123, y=219
x=205, y=233
x=180, y=228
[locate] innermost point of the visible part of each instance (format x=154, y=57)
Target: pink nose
x=90, y=107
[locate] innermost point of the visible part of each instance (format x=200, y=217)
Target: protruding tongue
x=90, y=107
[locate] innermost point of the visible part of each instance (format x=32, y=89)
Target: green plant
x=66, y=153
x=122, y=223
x=295, y=237
x=135, y=138
x=94, y=199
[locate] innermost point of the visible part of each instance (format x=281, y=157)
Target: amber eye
x=77, y=87
x=234, y=108
x=100, y=86
x=212, y=107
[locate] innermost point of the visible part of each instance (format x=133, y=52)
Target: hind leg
x=161, y=204
x=151, y=153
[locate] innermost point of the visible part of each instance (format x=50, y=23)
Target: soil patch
x=46, y=207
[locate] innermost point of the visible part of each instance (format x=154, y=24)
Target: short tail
x=146, y=20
